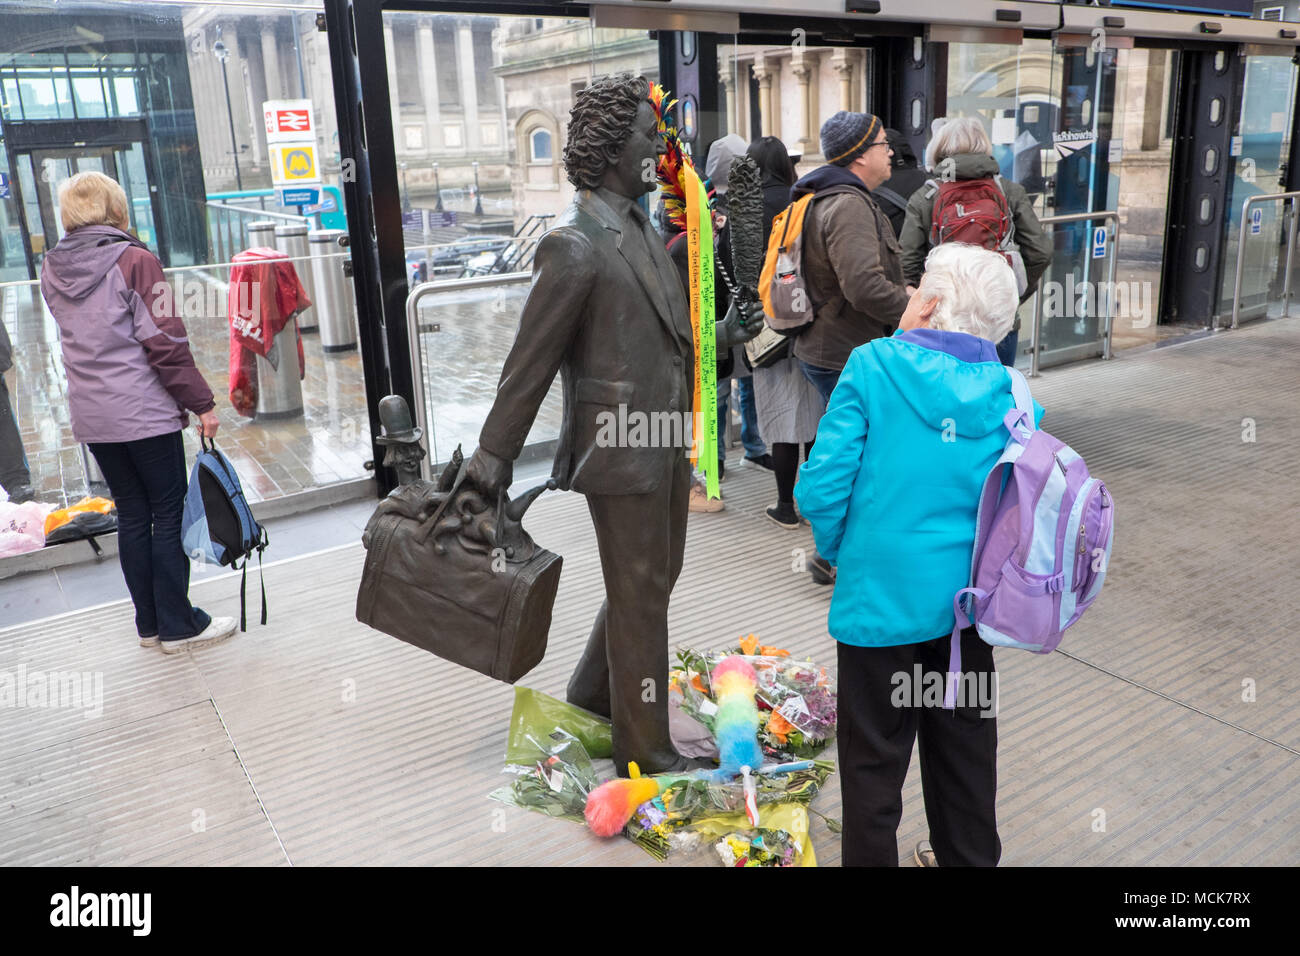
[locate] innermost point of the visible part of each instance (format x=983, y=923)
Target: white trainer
x=220, y=629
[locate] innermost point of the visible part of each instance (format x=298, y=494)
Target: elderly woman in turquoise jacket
x=891, y=491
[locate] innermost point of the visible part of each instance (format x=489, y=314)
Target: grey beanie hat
x=846, y=136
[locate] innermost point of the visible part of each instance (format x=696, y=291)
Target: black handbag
x=459, y=579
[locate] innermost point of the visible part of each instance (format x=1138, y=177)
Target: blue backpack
x=218, y=526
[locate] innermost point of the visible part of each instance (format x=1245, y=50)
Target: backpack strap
x=1010, y=239
x=262, y=576
x=954, y=649
x=1020, y=420
x=243, y=604
x=886, y=193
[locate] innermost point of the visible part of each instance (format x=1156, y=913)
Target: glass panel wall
x=1082, y=130
x=1266, y=104
x=142, y=95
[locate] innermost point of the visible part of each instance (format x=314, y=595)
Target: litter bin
x=279, y=389
x=332, y=292
x=291, y=239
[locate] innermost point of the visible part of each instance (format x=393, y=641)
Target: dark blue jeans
x=147, y=479
x=1007, y=348
x=749, y=436
x=823, y=379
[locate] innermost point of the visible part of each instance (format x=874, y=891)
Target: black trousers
x=886, y=700
x=623, y=672
x=14, y=472
x=147, y=479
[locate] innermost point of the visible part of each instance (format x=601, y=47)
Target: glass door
x=42, y=171
x=1261, y=150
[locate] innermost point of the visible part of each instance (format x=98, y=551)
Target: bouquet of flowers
x=796, y=699
x=763, y=848
x=557, y=780
x=656, y=822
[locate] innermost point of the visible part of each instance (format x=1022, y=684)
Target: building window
x=489, y=134
x=539, y=146
x=451, y=136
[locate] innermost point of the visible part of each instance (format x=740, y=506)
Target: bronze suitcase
x=459, y=579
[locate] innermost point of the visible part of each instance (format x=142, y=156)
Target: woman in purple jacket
x=131, y=380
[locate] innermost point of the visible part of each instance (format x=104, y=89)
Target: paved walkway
x=1165, y=732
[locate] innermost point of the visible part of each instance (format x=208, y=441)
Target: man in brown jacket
x=852, y=263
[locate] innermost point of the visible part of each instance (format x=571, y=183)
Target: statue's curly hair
x=599, y=124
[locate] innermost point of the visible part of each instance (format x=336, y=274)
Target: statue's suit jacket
x=617, y=328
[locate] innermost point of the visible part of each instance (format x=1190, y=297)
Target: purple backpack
x=1042, y=542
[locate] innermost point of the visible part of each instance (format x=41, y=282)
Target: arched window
x=539, y=146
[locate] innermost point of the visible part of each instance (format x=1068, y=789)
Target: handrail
x=173, y=270
x=1241, y=251
x=1106, y=215
x=260, y=213
x=413, y=336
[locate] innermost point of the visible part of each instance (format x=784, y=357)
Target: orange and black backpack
x=787, y=302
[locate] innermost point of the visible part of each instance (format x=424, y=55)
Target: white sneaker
x=221, y=629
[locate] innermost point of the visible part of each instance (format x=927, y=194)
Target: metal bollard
x=291, y=239
x=279, y=385
x=335, y=313
x=261, y=233
x=96, y=484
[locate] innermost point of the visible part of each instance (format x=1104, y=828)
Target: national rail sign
x=288, y=120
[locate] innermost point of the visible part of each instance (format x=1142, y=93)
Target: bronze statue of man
x=607, y=310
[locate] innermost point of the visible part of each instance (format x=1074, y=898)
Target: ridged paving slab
x=316, y=741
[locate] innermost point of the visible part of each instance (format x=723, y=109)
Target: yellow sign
x=293, y=163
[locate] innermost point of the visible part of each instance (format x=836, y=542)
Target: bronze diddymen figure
x=608, y=312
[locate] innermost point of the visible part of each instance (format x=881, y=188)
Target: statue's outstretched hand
x=489, y=473
x=739, y=325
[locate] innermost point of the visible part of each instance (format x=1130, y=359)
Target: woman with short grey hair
x=892, y=489
x=961, y=152
x=965, y=134
x=132, y=384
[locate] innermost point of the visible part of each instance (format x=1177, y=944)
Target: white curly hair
x=975, y=287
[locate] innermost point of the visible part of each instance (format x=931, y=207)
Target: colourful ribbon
x=699, y=237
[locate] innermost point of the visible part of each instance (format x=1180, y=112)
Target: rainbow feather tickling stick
x=736, y=724
x=612, y=804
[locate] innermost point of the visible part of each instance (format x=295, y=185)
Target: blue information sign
x=1256, y=221
x=4, y=186
x=1099, y=242
x=299, y=195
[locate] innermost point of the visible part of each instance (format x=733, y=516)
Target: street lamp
x=478, y=194
x=406, y=195
x=222, y=54
x=437, y=188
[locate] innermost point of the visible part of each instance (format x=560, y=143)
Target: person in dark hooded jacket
x=906, y=177
x=131, y=382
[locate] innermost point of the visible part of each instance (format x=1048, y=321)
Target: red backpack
x=976, y=211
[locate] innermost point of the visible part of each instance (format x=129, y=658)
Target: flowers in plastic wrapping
x=796, y=699
x=760, y=847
